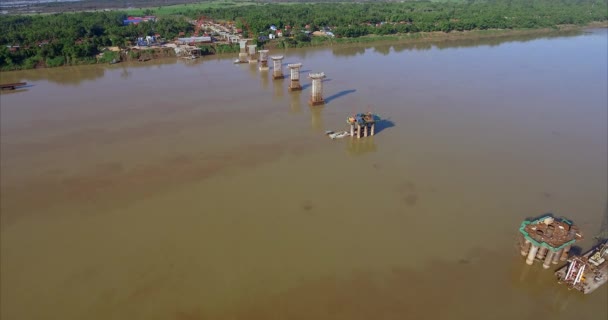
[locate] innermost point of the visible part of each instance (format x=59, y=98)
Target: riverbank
x=418, y=37
x=436, y=36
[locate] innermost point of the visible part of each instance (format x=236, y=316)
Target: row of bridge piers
x=247, y=53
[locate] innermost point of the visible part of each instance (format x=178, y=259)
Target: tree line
x=76, y=38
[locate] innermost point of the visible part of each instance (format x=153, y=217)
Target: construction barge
x=588, y=272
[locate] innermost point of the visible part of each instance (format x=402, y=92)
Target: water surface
x=205, y=190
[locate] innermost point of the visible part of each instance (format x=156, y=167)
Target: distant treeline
x=358, y=19
x=75, y=38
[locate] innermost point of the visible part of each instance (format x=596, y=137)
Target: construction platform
x=361, y=123
x=588, y=272
x=547, y=239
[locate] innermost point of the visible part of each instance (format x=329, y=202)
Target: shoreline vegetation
x=435, y=37
x=52, y=40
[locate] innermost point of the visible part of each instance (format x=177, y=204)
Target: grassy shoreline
x=410, y=38
x=454, y=35
x=436, y=37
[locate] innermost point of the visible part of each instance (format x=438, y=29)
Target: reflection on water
x=383, y=50
x=125, y=73
x=278, y=88
x=295, y=101
x=468, y=43
x=73, y=75
x=264, y=74
x=361, y=146
x=253, y=70
x=427, y=44
x=76, y=75
x=316, y=116
x=347, y=51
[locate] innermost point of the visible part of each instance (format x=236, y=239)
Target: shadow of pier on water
x=339, y=94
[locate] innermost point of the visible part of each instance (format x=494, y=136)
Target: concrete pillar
x=316, y=97
x=294, y=71
x=542, y=251
x=263, y=60
x=365, y=130
x=525, y=247
x=352, y=130
x=373, y=128
x=548, y=259
x=531, y=255
x=243, y=46
x=358, y=131
x=557, y=256
x=564, y=255
x=242, y=51
x=277, y=67
x=252, y=58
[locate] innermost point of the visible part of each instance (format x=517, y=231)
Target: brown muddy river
x=206, y=190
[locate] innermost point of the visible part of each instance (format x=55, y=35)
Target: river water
x=206, y=190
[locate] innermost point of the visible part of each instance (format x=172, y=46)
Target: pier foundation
x=531, y=255
x=548, y=259
x=564, y=255
x=525, y=247
x=542, y=252
x=557, y=256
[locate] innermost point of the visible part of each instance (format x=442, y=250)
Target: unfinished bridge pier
x=252, y=57
x=316, y=95
x=277, y=67
x=242, y=51
x=263, y=60
x=294, y=71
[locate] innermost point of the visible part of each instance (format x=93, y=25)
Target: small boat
x=237, y=61
x=339, y=135
x=12, y=86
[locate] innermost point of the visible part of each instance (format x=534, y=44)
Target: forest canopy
x=74, y=38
